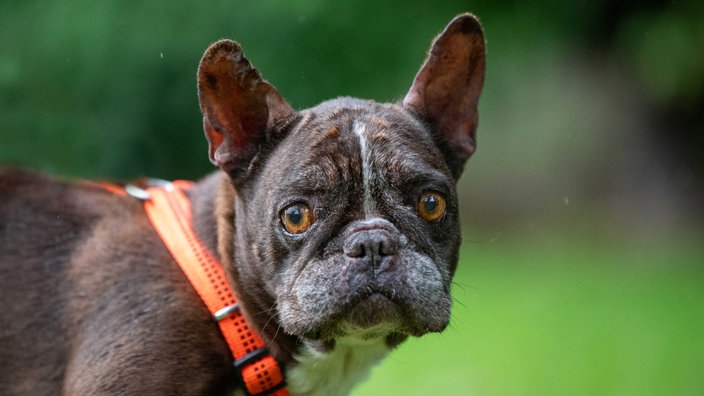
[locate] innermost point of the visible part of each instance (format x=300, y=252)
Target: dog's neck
x=334, y=373
x=212, y=202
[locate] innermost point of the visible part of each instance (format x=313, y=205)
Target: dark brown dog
x=337, y=225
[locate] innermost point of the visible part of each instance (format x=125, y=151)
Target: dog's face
x=346, y=218
x=360, y=218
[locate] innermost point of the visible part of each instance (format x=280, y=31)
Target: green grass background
x=562, y=317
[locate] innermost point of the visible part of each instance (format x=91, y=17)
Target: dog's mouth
x=372, y=311
x=369, y=316
x=410, y=299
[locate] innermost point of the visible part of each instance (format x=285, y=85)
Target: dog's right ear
x=239, y=107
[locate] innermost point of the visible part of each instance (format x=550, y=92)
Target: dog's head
x=346, y=218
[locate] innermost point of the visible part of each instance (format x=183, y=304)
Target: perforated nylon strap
x=170, y=214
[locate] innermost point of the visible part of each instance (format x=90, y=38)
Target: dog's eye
x=431, y=206
x=297, y=218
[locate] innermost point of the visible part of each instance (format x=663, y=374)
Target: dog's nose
x=372, y=240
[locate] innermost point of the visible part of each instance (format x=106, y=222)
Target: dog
x=337, y=227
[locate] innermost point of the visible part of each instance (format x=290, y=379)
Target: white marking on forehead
x=365, y=152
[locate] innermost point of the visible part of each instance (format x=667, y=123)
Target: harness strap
x=169, y=211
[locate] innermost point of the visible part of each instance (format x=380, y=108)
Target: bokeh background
x=582, y=270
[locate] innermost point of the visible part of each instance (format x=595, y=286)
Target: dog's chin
x=372, y=318
x=374, y=313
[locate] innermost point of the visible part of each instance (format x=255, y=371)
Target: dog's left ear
x=239, y=108
x=447, y=87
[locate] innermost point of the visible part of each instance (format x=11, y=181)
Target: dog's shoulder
x=84, y=261
x=35, y=194
x=43, y=216
x=14, y=181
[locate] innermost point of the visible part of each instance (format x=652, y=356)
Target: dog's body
x=337, y=226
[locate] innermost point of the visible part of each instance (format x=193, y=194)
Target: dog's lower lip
x=374, y=310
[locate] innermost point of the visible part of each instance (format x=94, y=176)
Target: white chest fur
x=337, y=372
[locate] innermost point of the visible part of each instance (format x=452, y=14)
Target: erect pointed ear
x=239, y=108
x=447, y=87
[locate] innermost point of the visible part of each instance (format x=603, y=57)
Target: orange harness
x=169, y=211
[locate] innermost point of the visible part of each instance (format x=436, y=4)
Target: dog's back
x=52, y=236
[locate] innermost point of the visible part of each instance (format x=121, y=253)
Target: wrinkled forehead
x=354, y=140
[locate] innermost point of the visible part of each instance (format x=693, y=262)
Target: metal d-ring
x=142, y=194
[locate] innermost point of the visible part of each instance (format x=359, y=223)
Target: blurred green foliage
x=107, y=88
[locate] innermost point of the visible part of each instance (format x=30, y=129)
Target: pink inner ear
x=214, y=140
x=238, y=106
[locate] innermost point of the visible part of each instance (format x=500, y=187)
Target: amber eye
x=431, y=206
x=297, y=218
